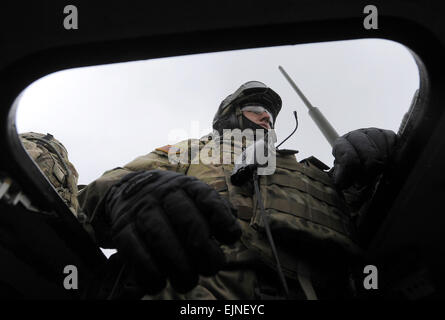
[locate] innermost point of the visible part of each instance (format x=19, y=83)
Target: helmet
x=52, y=158
x=229, y=115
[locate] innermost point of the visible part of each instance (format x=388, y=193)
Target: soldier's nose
x=265, y=117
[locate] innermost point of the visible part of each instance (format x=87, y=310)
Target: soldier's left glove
x=361, y=155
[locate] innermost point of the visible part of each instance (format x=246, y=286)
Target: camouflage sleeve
x=91, y=197
x=159, y=159
x=359, y=198
x=91, y=205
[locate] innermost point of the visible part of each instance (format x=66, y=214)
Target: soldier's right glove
x=166, y=223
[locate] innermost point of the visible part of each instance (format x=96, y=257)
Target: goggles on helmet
x=258, y=110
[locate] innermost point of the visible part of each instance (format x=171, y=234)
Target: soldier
x=52, y=158
x=187, y=231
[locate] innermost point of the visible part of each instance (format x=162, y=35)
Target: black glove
x=361, y=155
x=164, y=223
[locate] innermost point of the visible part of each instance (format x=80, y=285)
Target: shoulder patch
x=167, y=148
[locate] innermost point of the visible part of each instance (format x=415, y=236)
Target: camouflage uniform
x=309, y=218
x=52, y=158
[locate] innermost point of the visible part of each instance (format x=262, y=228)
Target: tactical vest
x=307, y=215
x=52, y=159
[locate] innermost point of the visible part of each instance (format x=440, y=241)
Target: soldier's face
x=262, y=119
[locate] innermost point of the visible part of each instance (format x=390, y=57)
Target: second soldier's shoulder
x=314, y=162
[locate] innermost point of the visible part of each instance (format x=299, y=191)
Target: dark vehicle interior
x=403, y=230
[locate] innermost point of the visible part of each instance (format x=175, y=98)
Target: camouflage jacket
x=308, y=216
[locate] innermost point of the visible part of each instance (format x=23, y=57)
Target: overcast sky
x=108, y=115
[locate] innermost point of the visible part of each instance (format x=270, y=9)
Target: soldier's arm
x=159, y=221
x=361, y=157
x=359, y=198
x=91, y=197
